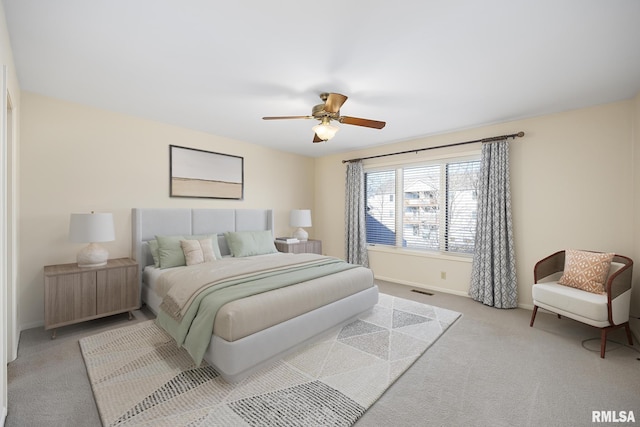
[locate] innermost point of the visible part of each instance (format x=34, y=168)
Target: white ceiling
x=423, y=66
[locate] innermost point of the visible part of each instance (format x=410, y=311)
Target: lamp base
x=92, y=255
x=301, y=235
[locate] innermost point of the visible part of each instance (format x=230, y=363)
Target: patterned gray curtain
x=493, y=273
x=355, y=208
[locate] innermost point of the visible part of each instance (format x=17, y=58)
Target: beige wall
x=572, y=187
x=77, y=159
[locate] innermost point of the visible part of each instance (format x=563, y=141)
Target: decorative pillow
x=197, y=251
x=247, y=243
x=153, y=248
x=170, y=251
x=586, y=270
x=214, y=242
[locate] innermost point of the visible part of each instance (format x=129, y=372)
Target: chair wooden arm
x=548, y=266
x=620, y=281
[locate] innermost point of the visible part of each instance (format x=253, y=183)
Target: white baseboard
x=3, y=416
x=423, y=286
x=437, y=289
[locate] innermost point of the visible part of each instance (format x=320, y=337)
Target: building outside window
x=430, y=206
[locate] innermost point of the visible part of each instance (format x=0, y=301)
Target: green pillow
x=153, y=247
x=247, y=243
x=170, y=252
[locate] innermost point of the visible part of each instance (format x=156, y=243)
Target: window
x=435, y=205
x=380, y=218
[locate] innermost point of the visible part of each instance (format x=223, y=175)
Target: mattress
x=246, y=316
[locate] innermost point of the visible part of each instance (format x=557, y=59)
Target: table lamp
x=91, y=228
x=300, y=218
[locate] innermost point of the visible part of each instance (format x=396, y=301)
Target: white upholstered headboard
x=146, y=223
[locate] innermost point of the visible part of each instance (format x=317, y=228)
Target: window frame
x=398, y=167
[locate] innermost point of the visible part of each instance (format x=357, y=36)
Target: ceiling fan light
x=325, y=131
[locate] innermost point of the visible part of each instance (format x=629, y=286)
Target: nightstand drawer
x=69, y=297
x=116, y=289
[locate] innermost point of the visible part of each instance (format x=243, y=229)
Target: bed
x=255, y=330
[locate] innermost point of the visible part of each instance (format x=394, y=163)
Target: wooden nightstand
x=75, y=294
x=310, y=246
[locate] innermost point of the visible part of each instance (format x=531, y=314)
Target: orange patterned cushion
x=586, y=270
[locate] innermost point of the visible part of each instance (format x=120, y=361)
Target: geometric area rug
x=140, y=378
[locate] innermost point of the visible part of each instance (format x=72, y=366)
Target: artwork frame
x=205, y=174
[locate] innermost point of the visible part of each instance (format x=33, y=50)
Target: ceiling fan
x=330, y=110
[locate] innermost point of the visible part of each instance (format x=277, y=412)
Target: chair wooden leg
x=533, y=315
x=603, y=341
x=627, y=328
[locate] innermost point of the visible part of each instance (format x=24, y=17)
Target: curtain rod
x=492, y=139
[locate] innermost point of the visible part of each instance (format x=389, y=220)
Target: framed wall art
x=205, y=174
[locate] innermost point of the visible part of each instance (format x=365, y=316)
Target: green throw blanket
x=194, y=327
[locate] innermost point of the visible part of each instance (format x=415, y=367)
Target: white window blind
x=380, y=193
x=421, y=207
x=462, y=205
x=437, y=202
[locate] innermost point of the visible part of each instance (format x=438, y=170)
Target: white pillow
x=197, y=251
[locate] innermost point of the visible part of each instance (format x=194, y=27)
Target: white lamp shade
x=91, y=227
x=325, y=131
x=300, y=218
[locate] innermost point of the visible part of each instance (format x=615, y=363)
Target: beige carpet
x=139, y=377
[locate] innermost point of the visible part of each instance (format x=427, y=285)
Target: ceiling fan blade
x=287, y=117
x=334, y=102
x=362, y=122
x=316, y=138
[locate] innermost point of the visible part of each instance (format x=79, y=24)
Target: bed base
x=235, y=360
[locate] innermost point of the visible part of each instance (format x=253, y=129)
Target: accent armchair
x=607, y=311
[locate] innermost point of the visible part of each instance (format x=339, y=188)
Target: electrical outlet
x=443, y=275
